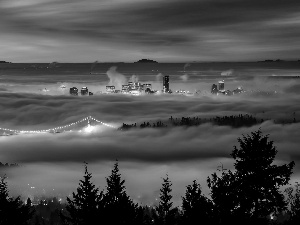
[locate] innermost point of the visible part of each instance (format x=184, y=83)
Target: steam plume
x=227, y=73
x=115, y=78
x=134, y=78
x=158, y=77
x=93, y=65
x=186, y=66
x=184, y=77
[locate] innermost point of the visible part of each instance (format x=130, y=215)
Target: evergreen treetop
x=259, y=179
x=85, y=207
x=196, y=207
x=12, y=211
x=119, y=208
x=115, y=185
x=165, y=196
x=252, y=190
x=165, y=213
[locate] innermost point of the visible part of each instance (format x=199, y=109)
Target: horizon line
x=136, y=62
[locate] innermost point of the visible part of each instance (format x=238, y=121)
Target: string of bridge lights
x=55, y=129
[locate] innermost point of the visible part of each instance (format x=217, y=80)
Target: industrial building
x=166, y=87
x=110, y=89
x=145, y=86
x=84, y=91
x=214, y=89
x=221, y=85
x=134, y=88
x=73, y=91
x=125, y=88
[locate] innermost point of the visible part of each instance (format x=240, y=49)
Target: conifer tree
x=12, y=211
x=293, y=200
x=253, y=189
x=259, y=180
x=165, y=212
x=85, y=208
x=119, y=208
x=145, y=215
x=197, y=209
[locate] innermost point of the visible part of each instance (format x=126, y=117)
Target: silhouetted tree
x=28, y=202
x=253, y=189
x=197, y=209
x=54, y=217
x=12, y=210
x=118, y=207
x=293, y=200
x=259, y=180
x=223, y=196
x=144, y=215
x=85, y=207
x=48, y=211
x=165, y=212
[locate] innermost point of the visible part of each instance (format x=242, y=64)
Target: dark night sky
x=127, y=30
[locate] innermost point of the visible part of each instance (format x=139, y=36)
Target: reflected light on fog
x=89, y=129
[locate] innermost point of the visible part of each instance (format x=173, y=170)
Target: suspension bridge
x=59, y=129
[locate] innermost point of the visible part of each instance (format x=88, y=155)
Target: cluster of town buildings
x=137, y=88
x=83, y=91
x=133, y=88
x=220, y=89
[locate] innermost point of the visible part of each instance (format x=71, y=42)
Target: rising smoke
x=115, y=78
x=184, y=77
x=186, y=66
x=227, y=73
x=52, y=65
x=134, y=78
x=158, y=77
x=93, y=66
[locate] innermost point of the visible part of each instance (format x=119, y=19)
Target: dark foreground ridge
x=248, y=195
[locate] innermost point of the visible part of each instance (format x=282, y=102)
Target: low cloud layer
x=169, y=145
x=54, y=161
x=19, y=110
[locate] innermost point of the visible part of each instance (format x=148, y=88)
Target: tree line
x=2, y=165
x=249, y=194
x=233, y=121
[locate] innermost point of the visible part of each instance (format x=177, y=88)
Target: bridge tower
x=89, y=121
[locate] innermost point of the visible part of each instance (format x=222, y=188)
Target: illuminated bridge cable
x=105, y=124
x=55, y=129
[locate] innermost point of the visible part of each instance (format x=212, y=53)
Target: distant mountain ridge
x=146, y=61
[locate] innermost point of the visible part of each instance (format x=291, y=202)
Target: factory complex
x=137, y=88
x=133, y=88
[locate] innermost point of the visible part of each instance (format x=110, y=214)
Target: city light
x=89, y=129
x=68, y=127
